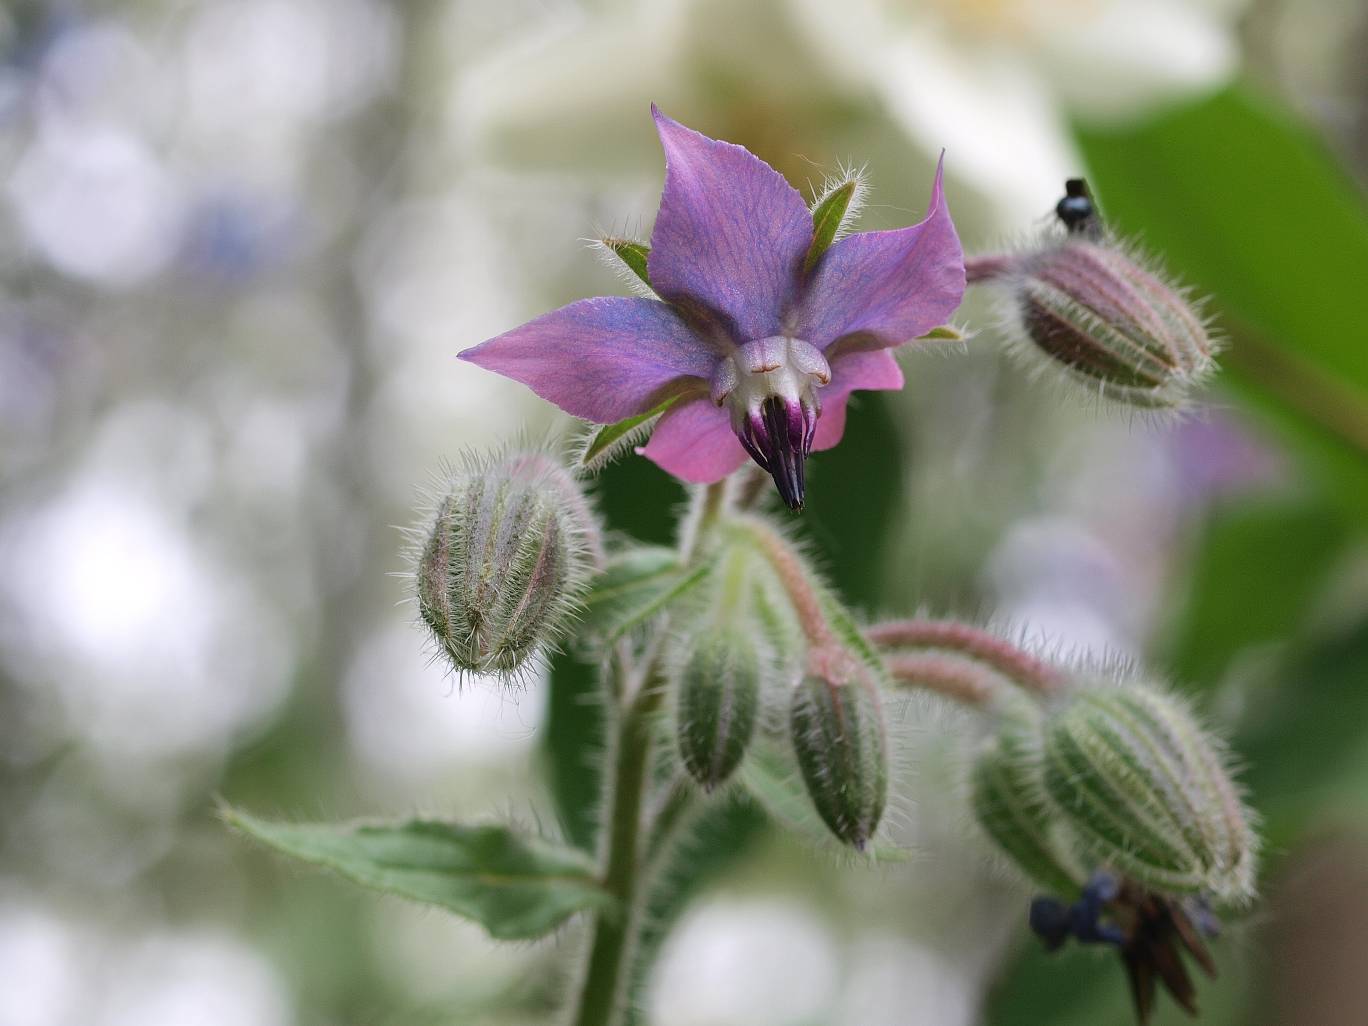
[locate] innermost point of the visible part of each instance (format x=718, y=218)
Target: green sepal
x=608, y=440
x=516, y=887
x=945, y=333
x=636, y=586
x=634, y=254
x=827, y=217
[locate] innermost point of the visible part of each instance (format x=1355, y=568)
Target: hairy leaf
x=515, y=887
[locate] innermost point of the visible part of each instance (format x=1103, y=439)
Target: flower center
x=770, y=386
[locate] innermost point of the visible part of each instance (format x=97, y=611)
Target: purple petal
x=872, y=369
x=731, y=233
x=695, y=442
x=887, y=287
x=601, y=359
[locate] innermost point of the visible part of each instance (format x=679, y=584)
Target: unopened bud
x=718, y=699
x=1010, y=803
x=505, y=561
x=1147, y=792
x=838, y=736
x=1091, y=308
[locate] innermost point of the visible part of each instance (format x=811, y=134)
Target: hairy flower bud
x=1147, y=792
x=1091, y=308
x=1009, y=801
x=717, y=702
x=838, y=736
x=505, y=561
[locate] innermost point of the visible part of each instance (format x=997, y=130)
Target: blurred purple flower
x=761, y=352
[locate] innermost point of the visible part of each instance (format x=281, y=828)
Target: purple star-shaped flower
x=761, y=353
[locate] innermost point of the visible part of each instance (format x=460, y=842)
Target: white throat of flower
x=771, y=387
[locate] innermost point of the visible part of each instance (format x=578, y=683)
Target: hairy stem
x=950, y=677
x=605, y=979
x=978, y=269
x=603, y=994
x=788, y=567
x=973, y=644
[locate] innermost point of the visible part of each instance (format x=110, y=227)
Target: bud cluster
x=1119, y=776
x=1114, y=799
x=764, y=631
x=503, y=563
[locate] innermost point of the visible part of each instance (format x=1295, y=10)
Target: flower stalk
x=640, y=695
x=983, y=651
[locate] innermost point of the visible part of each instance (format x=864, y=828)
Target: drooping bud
x=727, y=650
x=717, y=704
x=1010, y=803
x=1146, y=791
x=770, y=386
x=1087, y=305
x=1091, y=308
x=505, y=561
x=838, y=737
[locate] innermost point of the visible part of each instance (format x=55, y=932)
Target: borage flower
x=760, y=333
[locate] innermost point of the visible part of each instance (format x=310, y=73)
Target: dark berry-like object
x=1077, y=210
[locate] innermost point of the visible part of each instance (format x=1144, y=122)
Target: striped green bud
x=717, y=703
x=1009, y=801
x=1090, y=308
x=837, y=731
x=1147, y=792
x=504, y=561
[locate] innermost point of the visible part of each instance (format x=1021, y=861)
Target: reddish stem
x=951, y=677
x=1016, y=665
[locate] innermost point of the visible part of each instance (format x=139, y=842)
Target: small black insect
x=1077, y=210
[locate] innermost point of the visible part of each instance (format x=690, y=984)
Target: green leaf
x=515, y=887
x=633, y=254
x=610, y=439
x=1246, y=204
x=827, y=217
x=1253, y=580
x=636, y=586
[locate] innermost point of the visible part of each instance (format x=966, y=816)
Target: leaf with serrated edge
x=515, y=887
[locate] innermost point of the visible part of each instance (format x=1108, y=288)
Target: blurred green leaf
x=515, y=887
x=1255, y=574
x=1243, y=202
x=856, y=494
x=778, y=789
x=636, y=586
x=1304, y=743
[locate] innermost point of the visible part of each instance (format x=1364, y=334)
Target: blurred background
x=240, y=244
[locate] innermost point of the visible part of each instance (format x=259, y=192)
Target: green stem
x=610, y=953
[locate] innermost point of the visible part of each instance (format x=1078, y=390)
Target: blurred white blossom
x=993, y=82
